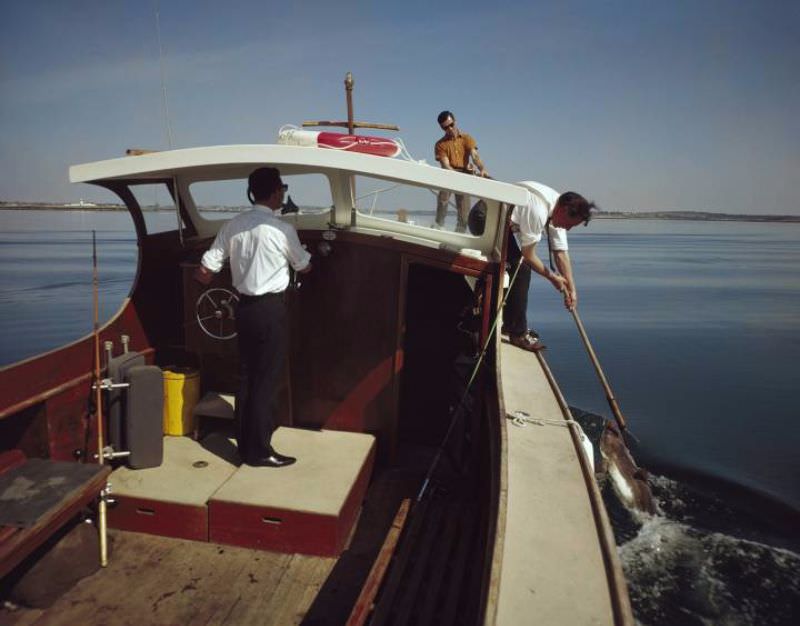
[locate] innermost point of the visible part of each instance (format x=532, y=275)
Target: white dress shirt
x=531, y=217
x=261, y=247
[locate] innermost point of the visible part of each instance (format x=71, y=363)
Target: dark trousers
x=262, y=333
x=515, y=312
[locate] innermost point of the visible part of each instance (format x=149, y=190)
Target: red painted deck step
x=309, y=507
x=201, y=493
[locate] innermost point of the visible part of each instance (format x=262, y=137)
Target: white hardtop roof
x=237, y=161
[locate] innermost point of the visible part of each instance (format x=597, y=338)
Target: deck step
x=309, y=507
x=202, y=493
x=171, y=500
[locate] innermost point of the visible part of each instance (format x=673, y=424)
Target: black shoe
x=273, y=460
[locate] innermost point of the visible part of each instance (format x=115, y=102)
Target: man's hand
x=570, y=299
x=203, y=275
x=558, y=281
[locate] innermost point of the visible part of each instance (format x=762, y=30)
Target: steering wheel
x=216, y=313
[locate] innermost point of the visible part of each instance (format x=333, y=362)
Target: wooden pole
x=348, y=86
x=612, y=402
x=101, y=507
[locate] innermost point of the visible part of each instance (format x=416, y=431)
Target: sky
x=639, y=105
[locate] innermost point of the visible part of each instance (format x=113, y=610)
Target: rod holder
x=125, y=339
x=109, y=348
x=110, y=454
x=107, y=384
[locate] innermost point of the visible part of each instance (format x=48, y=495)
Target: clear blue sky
x=638, y=105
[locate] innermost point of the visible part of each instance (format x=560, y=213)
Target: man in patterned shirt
x=454, y=152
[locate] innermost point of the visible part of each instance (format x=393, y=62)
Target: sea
x=697, y=327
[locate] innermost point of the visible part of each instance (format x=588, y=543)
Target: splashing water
x=681, y=573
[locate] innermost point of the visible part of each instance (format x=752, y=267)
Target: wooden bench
x=37, y=498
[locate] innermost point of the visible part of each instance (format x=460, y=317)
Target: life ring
x=377, y=146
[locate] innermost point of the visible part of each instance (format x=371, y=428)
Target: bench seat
x=37, y=498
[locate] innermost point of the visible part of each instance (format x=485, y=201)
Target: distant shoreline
x=704, y=216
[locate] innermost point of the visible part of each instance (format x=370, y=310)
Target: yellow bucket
x=181, y=394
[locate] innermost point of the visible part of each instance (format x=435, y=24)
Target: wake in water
x=683, y=574
x=701, y=560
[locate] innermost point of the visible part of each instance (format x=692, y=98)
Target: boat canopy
x=237, y=161
x=365, y=193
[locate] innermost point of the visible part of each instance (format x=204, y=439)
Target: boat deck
x=160, y=580
x=553, y=567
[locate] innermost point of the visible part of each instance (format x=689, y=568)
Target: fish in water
x=628, y=480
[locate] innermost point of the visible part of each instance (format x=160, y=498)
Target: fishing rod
x=461, y=406
x=98, y=390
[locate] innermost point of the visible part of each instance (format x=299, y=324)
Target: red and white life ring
x=378, y=146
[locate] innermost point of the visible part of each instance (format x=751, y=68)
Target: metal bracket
x=109, y=454
x=107, y=384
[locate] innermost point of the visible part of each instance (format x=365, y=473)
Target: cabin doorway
x=437, y=345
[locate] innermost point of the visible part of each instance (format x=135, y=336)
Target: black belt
x=244, y=298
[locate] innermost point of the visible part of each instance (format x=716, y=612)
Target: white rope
x=404, y=152
x=522, y=419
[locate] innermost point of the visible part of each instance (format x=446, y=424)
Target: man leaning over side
x=552, y=214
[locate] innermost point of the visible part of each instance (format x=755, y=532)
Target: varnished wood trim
x=54, y=391
x=500, y=466
x=363, y=604
x=617, y=586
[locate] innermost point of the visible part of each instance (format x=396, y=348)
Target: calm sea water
x=697, y=325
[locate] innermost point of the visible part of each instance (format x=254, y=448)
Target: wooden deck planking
x=163, y=581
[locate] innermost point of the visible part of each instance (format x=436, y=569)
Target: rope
x=522, y=419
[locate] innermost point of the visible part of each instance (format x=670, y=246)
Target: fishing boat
x=440, y=477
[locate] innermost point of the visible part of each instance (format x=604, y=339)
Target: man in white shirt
x=553, y=214
x=261, y=248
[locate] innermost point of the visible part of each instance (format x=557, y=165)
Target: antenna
x=164, y=103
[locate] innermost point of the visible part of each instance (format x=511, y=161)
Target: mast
x=350, y=124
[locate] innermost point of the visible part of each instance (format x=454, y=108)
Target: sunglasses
x=285, y=187
x=448, y=126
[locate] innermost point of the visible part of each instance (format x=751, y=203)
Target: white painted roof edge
x=205, y=159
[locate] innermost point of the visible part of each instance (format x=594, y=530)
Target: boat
x=441, y=479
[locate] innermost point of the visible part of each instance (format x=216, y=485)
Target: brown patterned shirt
x=457, y=150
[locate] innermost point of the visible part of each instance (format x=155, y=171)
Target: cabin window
x=158, y=207
x=222, y=199
x=415, y=206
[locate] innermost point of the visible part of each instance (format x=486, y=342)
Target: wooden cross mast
x=349, y=124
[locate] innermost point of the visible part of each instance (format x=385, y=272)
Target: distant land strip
x=705, y=216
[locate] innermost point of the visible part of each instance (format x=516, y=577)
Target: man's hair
x=576, y=205
x=443, y=116
x=261, y=183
